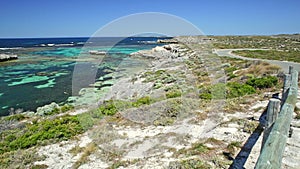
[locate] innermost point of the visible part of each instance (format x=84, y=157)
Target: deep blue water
x=75, y=42
x=43, y=72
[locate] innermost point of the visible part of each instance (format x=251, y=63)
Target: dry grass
x=76, y=150
x=88, y=150
x=214, y=141
x=19, y=159
x=209, y=157
x=201, y=116
x=260, y=68
x=233, y=147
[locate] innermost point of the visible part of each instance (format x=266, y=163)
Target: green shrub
x=61, y=128
x=54, y=111
x=108, y=108
x=216, y=91
x=234, y=89
x=17, y=117
x=142, y=101
x=111, y=107
x=87, y=120
x=61, y=109
x=173, y=94
x=229, y=70
x=229, y=90
x=231, y=76
x=66, y=108
x=263, y=82
x=205, y=95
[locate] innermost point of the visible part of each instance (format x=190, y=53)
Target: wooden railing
x=278, y=124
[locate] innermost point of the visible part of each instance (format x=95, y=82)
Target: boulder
x=159, y=49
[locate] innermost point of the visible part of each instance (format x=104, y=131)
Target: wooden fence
x=279, y=117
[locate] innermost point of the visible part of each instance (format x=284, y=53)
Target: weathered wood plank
x=272, y=114
x=272, y=152
x=286, y=86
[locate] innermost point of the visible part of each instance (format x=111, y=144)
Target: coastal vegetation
x=292, y=56
x=229, y=90
x=263, y=82
x=277, y=42
x=38, y=133
x=279, y=47
x=61, y=109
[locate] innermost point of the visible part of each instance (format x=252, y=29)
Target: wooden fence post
x=286, y=86
x=291, y=69
x=272, y=114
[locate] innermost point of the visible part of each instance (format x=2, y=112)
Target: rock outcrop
x=160, y=52
x=167, y=41
x=6, y=57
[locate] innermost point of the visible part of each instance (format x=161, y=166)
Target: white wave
x=147, y=42
x=10, y=48
x=64, y=44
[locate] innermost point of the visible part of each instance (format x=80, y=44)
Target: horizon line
x=147, y=36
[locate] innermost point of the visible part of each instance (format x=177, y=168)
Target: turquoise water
x=72, y=52
x=43, y=75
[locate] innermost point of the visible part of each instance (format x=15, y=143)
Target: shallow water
x=44, y=74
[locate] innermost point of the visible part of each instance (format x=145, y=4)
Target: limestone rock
x=6, y=57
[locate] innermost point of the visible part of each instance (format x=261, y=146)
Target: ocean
x=44, y=69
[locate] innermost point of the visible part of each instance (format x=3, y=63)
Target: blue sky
x=81, y=18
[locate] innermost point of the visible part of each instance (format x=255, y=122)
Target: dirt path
x=283, y=64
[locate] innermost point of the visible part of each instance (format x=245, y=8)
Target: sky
x=82, y=18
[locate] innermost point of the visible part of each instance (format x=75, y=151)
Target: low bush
x=66, y=108
x=108, y=108
x=111, y=107
x=229, y=90
x=263, y=82
x=229, y=70
x=37, y=133
x=235, y=89
x=142, y=101
x=61, y=109
x=17, y=117
x=173, y=94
